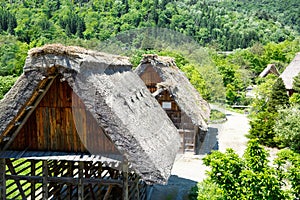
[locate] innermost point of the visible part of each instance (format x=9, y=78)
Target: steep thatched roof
x=174, y=80
x=291, y=71
x=115, y=96
x=270, y=69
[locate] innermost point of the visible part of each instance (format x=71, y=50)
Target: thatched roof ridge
x=175, y=81
x=291, y=71
x=60, y=49
x=79, y=59
x=116, y=97
x=271, y=68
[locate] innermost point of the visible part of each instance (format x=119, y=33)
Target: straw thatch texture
x=174, y=80
x=270, y=69
x=114, y=95
x=291, y=71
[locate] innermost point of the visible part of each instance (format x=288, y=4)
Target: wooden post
x=137, y=188
x=99, y=176
x=32, y=186
x=196, y=140
x=70, y=174
x=80, y=181
x=88, y=174
x=13, y=172
x=45, y=179
x=183, y=141
x=2, y=179
x=125, y=179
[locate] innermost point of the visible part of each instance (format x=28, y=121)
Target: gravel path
x=188, y=169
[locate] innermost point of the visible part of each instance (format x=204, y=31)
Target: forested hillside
x=262, y=31
x=225, y=26
x=286, y=12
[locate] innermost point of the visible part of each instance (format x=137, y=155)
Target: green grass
x=11, y=185
x=216, y=115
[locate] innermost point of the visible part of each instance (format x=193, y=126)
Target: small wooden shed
x=292, y=70
x=80, y=124
x=181, y=101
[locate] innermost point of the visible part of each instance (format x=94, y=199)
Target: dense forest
x=226, y=26
x=258, y=33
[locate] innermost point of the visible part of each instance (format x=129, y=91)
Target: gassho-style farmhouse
x=80, y=124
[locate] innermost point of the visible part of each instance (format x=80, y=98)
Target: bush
x=249, y=177
x=287, y=128
x=295, y=99
x=206, y=190
x=262, y=128
x=278, y=96
x=216, y=115
x=288, y=163
x=6, y=82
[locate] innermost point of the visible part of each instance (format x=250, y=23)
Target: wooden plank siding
x=174, y=113
x=181, y=121
x=151, y=78
x=61, y=123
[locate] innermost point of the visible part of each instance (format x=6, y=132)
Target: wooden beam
x=108, y=191
x=70, y=180
x=88, y=167
x=2, y=179
x=183, y=142
x=196, y=140
x=45, y=180
x=12, y=171
x=29, y=112
x=33, y=168
x=137, y=187
x=69, y=174
x=125, y=179
x=80, y=181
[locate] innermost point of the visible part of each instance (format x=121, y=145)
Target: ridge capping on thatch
x=59, y=55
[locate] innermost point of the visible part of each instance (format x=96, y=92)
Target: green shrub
x=216, y=115
x=262, y=128
x=288, y=163
x=6, y=82
x=249, y=177
x=295, y=99
x=206, y=190
x=278, y=96
x=287, y=128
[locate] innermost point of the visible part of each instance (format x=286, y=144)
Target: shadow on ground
x=210, y=141
x=177, y=189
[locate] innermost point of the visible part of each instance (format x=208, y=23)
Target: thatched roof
x=115, y=96
x=270, y=69
x=291, y=71
x=174, y=80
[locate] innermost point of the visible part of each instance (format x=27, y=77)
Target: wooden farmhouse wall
x=165, y=99
x=188, y=132
x=151, y=78
x=61, y=122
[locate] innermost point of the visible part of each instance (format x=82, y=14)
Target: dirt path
x=188, y=169
x=232, y=133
